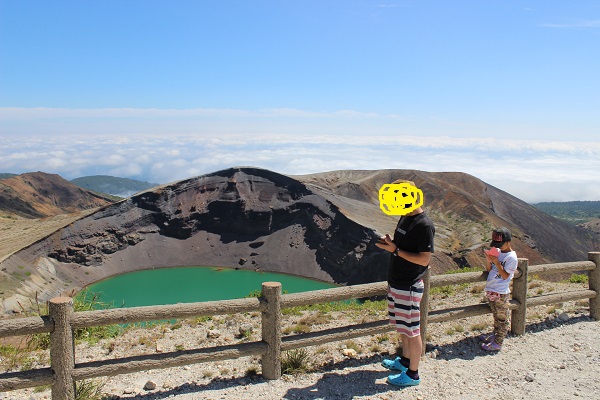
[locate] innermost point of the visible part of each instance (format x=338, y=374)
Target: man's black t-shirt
x=415, y=235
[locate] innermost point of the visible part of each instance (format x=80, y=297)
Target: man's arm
x=421, y=258
x=416, y=258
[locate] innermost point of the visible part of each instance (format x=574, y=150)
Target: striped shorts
x=404, y=308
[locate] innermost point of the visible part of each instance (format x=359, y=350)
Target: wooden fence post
x=594, y=284
x=271, y=330
x=62, y=351
x=519, y=293
x=424, y=307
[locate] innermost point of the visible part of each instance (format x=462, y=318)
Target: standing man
x=411, y=249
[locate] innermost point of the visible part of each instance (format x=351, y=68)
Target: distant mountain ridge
x=38, y=195
x=122, y=187
x=577, y=212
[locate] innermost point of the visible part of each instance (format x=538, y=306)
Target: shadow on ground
x=470, y=348
x=333, y=384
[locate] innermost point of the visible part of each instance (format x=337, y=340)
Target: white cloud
x=579, y=24
x=16, y=113
x=531, y=170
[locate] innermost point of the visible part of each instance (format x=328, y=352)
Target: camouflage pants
x=500, y=312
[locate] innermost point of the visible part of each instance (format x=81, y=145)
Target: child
x=501, y=263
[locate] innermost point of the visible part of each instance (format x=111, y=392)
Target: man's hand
x=386, y=243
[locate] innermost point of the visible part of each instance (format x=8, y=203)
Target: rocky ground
x=558, y=358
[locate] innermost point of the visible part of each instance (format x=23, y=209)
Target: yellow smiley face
x=399, y=198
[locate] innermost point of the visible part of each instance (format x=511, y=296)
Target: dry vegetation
x=18, y=232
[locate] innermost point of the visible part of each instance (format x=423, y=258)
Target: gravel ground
x=557, y=358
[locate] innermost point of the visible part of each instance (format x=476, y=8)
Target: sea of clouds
x=531, y=170
x=538, y=161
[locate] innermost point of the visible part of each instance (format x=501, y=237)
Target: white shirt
x=495, y=283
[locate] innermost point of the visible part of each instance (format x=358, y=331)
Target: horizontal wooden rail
x=128, y=365
x=334, y=294
x=26, y=379
x=335, y=334
x=85, y=319
x=25, y=326
x=448, y=314
x=457, y=279
x=561, y=297
x=544, y=269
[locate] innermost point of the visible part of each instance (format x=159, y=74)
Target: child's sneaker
x=394, y=364
x=403, y=380
x=487, y=337
x=491, y=346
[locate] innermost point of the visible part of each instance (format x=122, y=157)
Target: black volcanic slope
x=239, y=217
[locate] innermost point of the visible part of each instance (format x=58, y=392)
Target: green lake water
x=192, y=284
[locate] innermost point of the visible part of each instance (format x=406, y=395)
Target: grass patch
x=444, y=291
x=12, y=359
x=319, y=318
x=456, y=328
x=578, y=278
x=84, y=301
x=350, y=344
x=478, y=327
x=295, y=361
x=89, y=390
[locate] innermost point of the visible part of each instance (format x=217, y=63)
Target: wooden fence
x=62, y=320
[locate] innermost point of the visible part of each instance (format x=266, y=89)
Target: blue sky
x=507, y=91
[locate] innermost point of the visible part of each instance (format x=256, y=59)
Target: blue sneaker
x=403, y=380
x=394, y=365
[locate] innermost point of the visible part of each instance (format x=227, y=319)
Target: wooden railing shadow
x=62, y=320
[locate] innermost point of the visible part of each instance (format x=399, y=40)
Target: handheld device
x=494, y=252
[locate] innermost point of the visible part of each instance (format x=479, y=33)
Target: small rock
x=128, y=391
x=564, y=317
x=246, y=329
x=349, y=353
x=529, y=377
x=213, y=333
x=150, y=385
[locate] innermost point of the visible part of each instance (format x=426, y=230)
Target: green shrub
x=12, y=358
x=295, y=361
x=444, y=291
x=578, y=278
x=89, y=390
x=84, y=301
